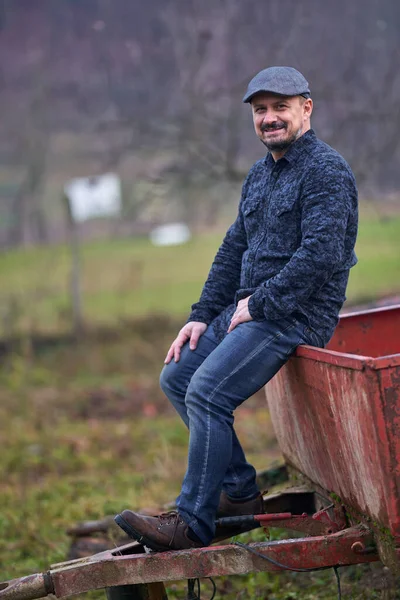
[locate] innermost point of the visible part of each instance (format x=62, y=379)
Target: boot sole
x=142, y=539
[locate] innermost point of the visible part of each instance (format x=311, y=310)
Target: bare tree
x=162, y=82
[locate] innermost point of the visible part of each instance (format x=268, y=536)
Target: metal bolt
x=358, y=547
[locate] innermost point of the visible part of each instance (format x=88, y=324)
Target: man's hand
x=191, y=331
x=241, y=314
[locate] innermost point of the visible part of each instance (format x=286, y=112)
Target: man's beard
x=280, y=145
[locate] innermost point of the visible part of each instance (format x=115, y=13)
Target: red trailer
x=336, y=414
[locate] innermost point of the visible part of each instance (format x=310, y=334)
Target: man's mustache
x=273, y=126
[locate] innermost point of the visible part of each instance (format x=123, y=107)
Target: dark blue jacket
x=292, y=244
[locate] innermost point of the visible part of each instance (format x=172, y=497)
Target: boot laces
x=170, y=517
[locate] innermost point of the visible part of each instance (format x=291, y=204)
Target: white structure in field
x=170, y=235
x=91, y=197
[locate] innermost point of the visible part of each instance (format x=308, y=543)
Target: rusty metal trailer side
x=337, y=418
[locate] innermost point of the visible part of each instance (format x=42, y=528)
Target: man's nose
x=269, y=118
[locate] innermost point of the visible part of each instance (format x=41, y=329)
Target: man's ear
x=308, y=107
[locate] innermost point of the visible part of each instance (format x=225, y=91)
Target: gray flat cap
x=286, y=81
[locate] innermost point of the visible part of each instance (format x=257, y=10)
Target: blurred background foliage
x=152, y=91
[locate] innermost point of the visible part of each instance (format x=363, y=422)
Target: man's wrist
x=256, y=306
x=199, y=317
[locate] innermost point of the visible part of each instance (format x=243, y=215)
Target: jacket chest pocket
x=283, y=214
x=284, y=225
x=253, y=217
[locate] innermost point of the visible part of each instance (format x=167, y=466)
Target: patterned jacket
x=292, y=244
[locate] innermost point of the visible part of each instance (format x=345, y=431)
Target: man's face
x=280, y=120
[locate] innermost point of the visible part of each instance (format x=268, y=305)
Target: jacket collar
x=296, y=149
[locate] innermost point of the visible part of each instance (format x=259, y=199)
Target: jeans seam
x=260, y=346
x=203, y=473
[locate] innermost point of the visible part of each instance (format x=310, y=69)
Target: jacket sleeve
x=326, y=202
x=224, y=277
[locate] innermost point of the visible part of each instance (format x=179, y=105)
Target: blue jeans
x=205, y=387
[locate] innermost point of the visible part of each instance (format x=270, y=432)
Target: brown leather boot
x=227, y=508
x=167, y=531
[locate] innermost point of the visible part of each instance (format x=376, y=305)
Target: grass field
x=85, y=430
x=127, y=278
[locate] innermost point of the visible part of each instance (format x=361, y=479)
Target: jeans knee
x=204, y=394
x=172, y=382
x=166, y=380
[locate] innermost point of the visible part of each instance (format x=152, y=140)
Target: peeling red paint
x=336, y=413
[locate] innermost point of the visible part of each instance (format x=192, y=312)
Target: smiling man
x=278, y=280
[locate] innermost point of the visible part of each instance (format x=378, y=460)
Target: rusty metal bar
x=122, y=567
x=31, y=587
x=310, y=553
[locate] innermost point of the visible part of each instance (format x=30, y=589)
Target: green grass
x=127, y=278
x=378, y=251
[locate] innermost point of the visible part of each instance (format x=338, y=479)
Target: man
x=278, y=280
